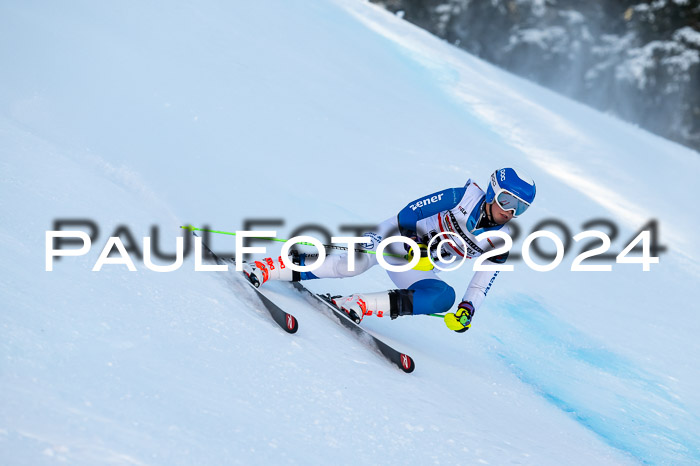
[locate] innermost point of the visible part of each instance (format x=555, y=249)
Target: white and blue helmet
x=512, y=189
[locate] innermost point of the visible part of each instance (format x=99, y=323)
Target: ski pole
x=281, y=240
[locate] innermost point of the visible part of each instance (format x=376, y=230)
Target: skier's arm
x=479, y=287
x=427, y=206
x=482, y=281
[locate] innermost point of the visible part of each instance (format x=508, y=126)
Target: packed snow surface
x=336, y=113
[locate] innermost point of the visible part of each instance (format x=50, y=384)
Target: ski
x=285, y=320
x=401, y=360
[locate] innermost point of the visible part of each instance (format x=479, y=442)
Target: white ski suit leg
x=337, y=266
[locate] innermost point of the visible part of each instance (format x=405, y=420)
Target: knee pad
x=432, y=296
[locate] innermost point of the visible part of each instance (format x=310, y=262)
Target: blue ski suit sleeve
x=427, y=206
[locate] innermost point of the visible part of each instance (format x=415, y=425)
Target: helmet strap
x=488, y=209
x=486, y=219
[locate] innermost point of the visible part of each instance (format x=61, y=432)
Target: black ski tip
x=407, y=364
x=292, y=325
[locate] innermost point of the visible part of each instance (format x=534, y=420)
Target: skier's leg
x=334, y=266
x=425, y=292
x=337, y=266
x=419, y=292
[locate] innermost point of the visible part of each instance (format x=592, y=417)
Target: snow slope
x=332, y=112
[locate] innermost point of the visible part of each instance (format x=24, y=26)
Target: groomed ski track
x=172, y=114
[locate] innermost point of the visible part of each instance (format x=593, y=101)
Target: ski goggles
x=509, y=201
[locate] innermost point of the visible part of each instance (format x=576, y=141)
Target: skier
x=466, y=212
